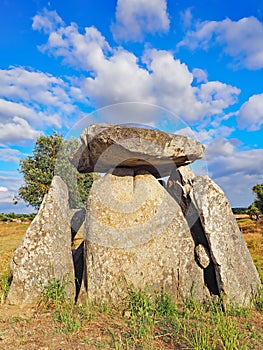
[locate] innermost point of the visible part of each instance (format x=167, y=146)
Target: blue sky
x=199, y=62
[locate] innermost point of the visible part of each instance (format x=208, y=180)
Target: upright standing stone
x=236, y=274
x=136, y=235
x=45, y=251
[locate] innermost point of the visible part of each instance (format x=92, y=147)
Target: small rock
x=202, y=256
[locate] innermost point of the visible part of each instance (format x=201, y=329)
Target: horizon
x=66, y=65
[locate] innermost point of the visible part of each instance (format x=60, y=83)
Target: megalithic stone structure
x=181, y=238
x=131, y=239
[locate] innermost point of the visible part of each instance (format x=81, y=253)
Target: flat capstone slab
x=106, y=146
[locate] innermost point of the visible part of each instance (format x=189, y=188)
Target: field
x=140, y=322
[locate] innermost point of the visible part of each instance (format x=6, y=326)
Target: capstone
x=105, y=146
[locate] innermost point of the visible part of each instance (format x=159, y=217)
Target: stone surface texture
x=45, y=250
x=136, y=235
x=106, y=146
x=236, y=274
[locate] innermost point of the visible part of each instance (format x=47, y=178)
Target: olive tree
x=49, y=158
x=258, y=190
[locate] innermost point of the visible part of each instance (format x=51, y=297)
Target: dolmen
x=177, y=235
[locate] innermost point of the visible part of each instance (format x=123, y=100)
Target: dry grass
x=11, y=235
x=253, y=234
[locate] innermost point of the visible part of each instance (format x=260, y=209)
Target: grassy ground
x=140, y=322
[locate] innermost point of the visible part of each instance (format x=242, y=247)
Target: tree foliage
x=258, y=189
x=253, y=212
x=50, y=157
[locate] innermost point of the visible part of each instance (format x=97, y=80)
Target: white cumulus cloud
x=34, y=88
x=16, y=131
x=83, y=51
x=250, y=115
x=115, y=75
x=135, y=18
x=48, y=22
x=242, y=39
x=31, y=100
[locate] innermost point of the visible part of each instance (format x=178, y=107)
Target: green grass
x=152, y=321
x=68, y=317
x=259, y=301
x=5, y=282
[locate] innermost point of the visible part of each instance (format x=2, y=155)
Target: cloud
x=250, y=115
x=241, y=194
x=172, y=85
x=83, y=51
x=47, y=21
x=165, y=81
x=6, y=197
x=215, y=137
x=200, y=75
x=186, y=17
x=242, y=40
x=115, y=75
x=236, y=172
x=31, y=99
x=10, y=183
x=9, y=154
x=34, y=88
x=231, y=161
x=217, y=95
x=16, y=131
x=219, y=147
x=9, y=109
x=119, y=79
x=136, y=18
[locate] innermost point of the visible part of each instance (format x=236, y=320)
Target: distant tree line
x=13, y=216
x=239, y=210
